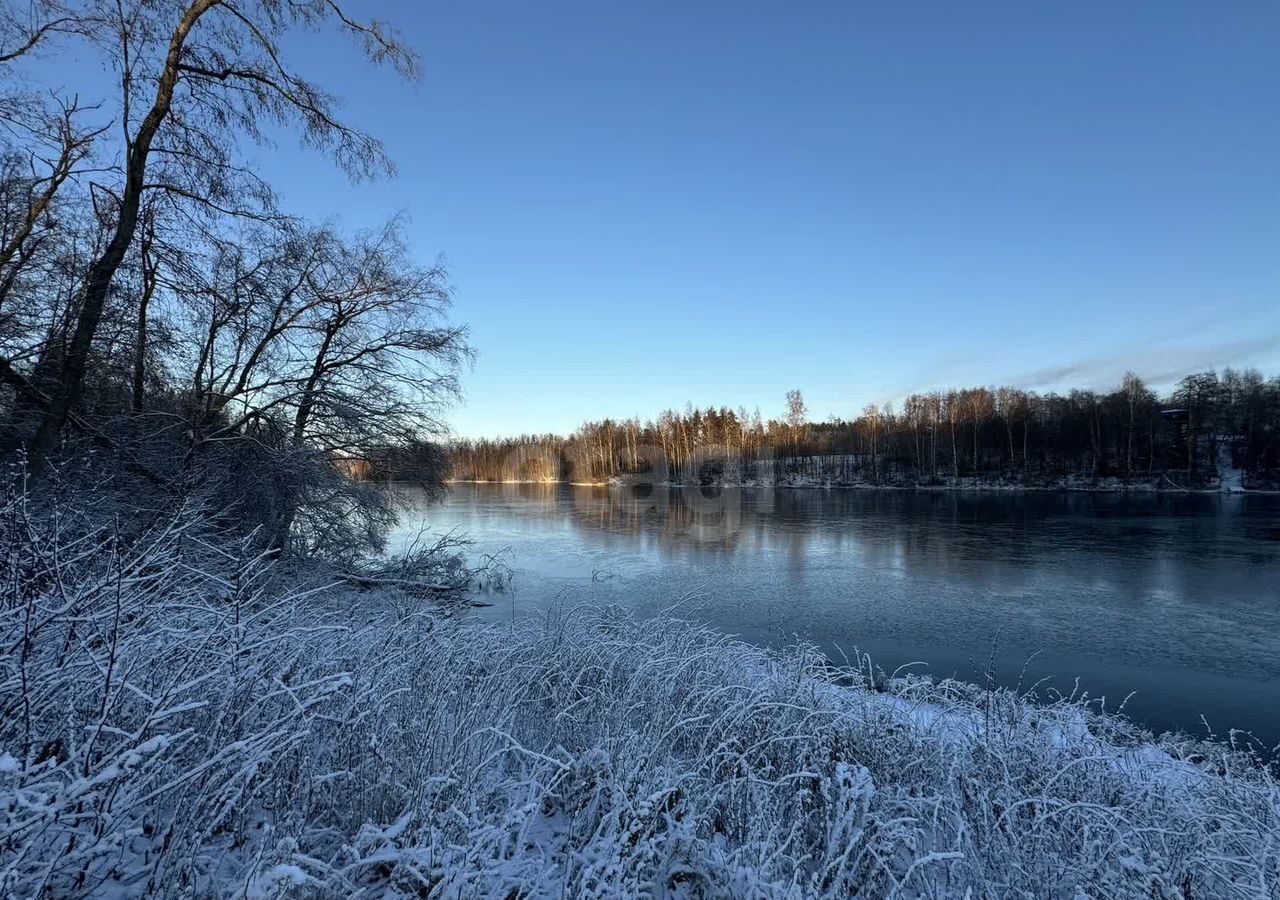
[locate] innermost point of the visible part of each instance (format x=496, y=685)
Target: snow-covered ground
x=183, y=718
x=1230, y=479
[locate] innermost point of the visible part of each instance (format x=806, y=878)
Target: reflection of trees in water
x=1132, y=549
x=681, y=521
x=994, y=539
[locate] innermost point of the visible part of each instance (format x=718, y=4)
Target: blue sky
x=647, y=204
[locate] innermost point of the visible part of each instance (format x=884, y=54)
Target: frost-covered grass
x=184, y=718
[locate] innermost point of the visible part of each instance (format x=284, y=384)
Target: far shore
x=975, y=487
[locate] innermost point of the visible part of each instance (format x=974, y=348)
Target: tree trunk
x=306, y=403
x=144, y=302
x=1128, y=461
x=1026, y=426
x=70, y=384
x=955, y=454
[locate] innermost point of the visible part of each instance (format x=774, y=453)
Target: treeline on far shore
x=1210, y=427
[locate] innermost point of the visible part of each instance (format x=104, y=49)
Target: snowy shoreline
x=190, y=717
x=1065, y=487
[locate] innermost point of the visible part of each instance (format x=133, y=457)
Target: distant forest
x=1210, y=422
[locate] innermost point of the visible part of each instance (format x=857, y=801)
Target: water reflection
x=1176, y=596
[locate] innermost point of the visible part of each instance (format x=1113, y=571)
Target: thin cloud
x=1163, y=365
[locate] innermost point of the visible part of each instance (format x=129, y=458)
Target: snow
x=284, y=740
x=1230, y=479
x=292, y=874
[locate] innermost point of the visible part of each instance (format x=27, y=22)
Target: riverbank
x=188, y=717
x=1068, y=486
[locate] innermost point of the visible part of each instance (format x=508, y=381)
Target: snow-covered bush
x=182, y=717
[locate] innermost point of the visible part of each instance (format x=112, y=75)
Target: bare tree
x=951, y=403
x=1136, y=397
x=46, y=148
x=320, y=346
x=214, y=73
x=797, y=416
x=21, y=32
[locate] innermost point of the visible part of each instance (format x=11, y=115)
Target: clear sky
x=644, y=204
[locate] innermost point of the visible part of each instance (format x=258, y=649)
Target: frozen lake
x=1174, y=597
